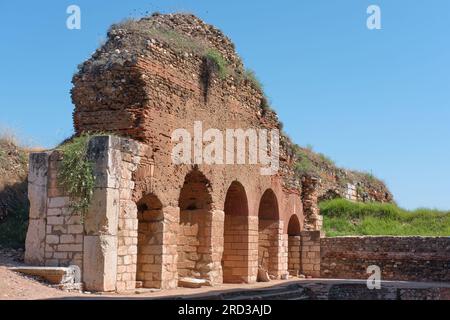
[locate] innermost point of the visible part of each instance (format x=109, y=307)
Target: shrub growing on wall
x=76, y=174
x=217, y=63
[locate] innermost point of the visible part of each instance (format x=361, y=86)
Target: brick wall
x=400, y=258
x=194, y=242
x=310, y=253
x=294, y=254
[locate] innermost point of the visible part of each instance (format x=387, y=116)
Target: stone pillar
x=128, y=265
x=252, y=249
x=101, y=221
x=294, y=251
x=281, y=244
x=37, y=194
x=217, y=227
x=169, y=272
x=272, y=247
x=310, y=253
x=240, y=257
x=313, y=219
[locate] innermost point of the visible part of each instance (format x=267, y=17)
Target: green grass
x=251, y=76
x=326, y=159
x=345, y=218
x=303, y=165
x=219, y=62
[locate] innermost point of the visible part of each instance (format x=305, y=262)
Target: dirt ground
x=14, y=286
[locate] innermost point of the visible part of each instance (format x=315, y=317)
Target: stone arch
x=294, y=245
x=194, y=243
x=236, y=241
x=269, y=231
x=294, y=226
x=150, y=242
x=268, y=206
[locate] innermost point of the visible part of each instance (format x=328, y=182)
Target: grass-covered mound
x=345, y=218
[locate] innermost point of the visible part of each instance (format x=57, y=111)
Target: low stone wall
x=399, y=258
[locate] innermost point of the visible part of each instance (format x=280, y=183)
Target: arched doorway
x=236, y=241
x=194, y=237
x=150, y=242
x=268, y=233
x=294, y=245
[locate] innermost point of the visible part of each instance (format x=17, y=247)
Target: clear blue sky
x=377, y=101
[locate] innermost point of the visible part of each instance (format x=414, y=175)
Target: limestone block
x=58, y=202
x=52, y=239
x=37, y=184
x=100, y=262
x=54, y=220
x=54, y=212
x=35, y=242
x=75, y=229
x=103, y=214
x=106, y=161
x=56, y=275
x=191, y=283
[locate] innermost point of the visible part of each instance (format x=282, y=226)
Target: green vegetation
x=13, y=191
x=76, y=173
x=304, y=166
x=179, y=42
x=217, y=60
x=345, y=218
x=250, y=75
x=326, y=159
x=13, y=229
x=368, y=176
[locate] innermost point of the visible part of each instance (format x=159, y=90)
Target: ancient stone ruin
x=151, y=222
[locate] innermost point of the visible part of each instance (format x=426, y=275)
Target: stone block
x=37, y=184
x=75, y=229
x=100, y=263
x=70, y=247
x=58, y=202
x=52, y=239
x=67, y=238
x=35, y=242
x=55, y=220
x=106, y=161
x=103, y=213
x=54, y=275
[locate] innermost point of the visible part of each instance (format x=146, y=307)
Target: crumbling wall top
x=183, y=33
